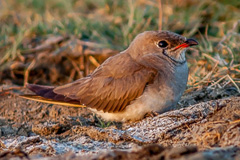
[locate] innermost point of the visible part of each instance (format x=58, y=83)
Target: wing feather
x=112, y=86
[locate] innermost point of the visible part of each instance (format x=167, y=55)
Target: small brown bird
x=149, y=76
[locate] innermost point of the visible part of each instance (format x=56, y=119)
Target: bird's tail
x=45, y=94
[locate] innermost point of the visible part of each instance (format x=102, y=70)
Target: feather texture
x=109, y=88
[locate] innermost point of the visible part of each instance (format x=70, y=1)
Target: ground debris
x=43, y=130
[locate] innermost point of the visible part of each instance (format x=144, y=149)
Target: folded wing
x=111, y=87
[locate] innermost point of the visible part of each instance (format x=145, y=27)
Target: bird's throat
x=181, y=60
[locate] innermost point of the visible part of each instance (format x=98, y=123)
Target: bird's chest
x=168, y=88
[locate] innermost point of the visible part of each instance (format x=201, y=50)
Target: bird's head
x=164, y=44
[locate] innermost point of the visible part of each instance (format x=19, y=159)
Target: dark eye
x=162, y=44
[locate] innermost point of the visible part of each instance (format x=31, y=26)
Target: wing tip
x=49, y=101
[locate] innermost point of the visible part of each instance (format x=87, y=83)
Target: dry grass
x=55, y=42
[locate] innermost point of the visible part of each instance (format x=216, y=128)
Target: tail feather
x=45, y=94
x=39, y=89
x=50, y=101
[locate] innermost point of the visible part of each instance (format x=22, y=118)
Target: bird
x=149, y=76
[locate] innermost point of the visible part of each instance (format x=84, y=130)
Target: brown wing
x=112, y=86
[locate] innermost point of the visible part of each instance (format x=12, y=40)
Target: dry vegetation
x=54, y=42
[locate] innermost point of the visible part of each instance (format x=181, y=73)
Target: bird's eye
x=162, y=44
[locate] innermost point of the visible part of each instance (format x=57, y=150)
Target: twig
x=207, y=39
x=206, y=33
x=6, y=91
x=230, y=52
x=26, y=74
x=234, y=83
x=159, y=15
x=208, y=75
x=94, y=61
x=75, y=66
x=236, y=121
x=209, y=57
x=131, y=14
x=230, y=32
x=226, y=76
x=221, y=45
x=89, y=44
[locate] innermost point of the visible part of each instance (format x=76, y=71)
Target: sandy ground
x=205, y=125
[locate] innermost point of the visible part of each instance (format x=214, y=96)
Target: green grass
x=115, y=23
x=101, y=123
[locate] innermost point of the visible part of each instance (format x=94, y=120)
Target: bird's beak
x=188, y=43
x=191, y=42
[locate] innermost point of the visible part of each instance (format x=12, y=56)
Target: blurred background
x=58, y=41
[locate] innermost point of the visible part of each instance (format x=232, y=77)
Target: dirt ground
x=205, y=125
